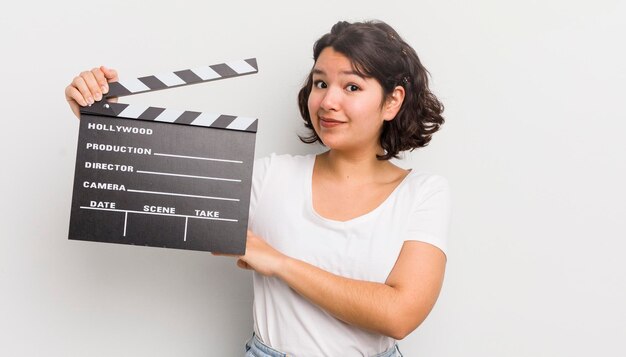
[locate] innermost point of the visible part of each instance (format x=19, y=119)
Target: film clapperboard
x=162, y=177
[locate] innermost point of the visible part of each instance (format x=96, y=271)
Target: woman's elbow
x=397, y=335
x=403, y=321
x=401, y=327
x=399, y=332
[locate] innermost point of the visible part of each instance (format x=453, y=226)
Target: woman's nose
x=331, y=99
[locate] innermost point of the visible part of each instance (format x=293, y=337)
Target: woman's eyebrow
x=350, y=73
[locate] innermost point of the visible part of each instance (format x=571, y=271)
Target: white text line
x=184, y=195
x=159, y=214
x=191, y=176
x=198, y=158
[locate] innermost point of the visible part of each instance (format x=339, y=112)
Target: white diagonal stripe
x=134, y=85
x=240, y=123
x=133, y=111
x=205, y=119
x=170, y=79
x=169, y=115
x=241, y=66
x=206, y=73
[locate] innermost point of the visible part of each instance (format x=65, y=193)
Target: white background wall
x=533, y=147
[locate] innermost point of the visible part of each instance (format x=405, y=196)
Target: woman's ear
x=393, y=103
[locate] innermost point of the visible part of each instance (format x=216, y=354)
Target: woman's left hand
x=260, y=256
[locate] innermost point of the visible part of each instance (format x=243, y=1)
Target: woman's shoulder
x=419, y=177
x=423, y=183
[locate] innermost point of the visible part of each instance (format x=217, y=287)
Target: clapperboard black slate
x=162, y=177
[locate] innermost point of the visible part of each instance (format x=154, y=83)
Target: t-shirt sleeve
x=430, y=216
x=259, y=173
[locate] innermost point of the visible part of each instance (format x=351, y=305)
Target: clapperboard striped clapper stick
x=160, y=177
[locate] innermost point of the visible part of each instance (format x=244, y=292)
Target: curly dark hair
x=377, y=51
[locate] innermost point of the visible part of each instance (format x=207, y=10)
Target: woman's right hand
x=88, y=87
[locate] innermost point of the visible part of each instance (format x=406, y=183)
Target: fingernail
x=98, y=96
x=90, y=100
x=105, y=89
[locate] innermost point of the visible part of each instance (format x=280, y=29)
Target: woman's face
x=346, y=109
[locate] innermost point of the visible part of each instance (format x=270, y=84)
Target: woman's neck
x=361, y=166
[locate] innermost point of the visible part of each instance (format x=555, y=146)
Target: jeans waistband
x=256, y=348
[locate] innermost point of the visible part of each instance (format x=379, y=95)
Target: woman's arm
x=394, y=308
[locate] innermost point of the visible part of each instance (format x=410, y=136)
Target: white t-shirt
x=363, y=248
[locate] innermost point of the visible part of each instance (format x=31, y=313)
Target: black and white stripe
x=187, y=117
x=172, y=80
x=182, y=78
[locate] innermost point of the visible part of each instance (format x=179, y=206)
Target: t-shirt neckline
x=309, y=190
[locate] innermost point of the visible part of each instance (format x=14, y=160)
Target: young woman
x=347, y=249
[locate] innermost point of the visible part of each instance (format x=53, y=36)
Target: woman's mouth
x=330, y=123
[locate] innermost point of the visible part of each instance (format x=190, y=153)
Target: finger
x=80, y=84
x=101, y=79
x=92, y=84
x=243, y=265
x=74, y=97
x=109, y=73
x=70, y=94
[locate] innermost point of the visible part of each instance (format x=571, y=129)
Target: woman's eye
x=319, y=84
x=352, y=88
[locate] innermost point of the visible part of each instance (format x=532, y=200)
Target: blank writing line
x=125, y=220
x=185, y=238
x=198, y=158
x=184, y=195
x=158, y=214
x=192, y=176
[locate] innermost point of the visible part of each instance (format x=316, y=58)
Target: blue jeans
x=256, y=348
